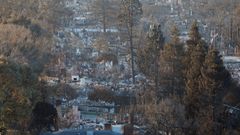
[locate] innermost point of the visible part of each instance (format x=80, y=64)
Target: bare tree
x=105, y=12
x=130, y=14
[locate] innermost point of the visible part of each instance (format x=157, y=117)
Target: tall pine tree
x=193, y=63
x=193, y=76
x=148, y=57
x=171, y=65
x=213, y=80
x=195, y=39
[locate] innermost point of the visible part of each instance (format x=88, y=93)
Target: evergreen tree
x=193, y=76
x=175, y=36
x=214, y=74
x=214, y=78
x=193, y=62
x=148, y=57
x=171, y=65
x=195, y=39
x=192, y=97
x=194, y=34
x=17, y=87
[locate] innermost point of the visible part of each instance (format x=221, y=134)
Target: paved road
x=77, y=132
x=68, y=132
